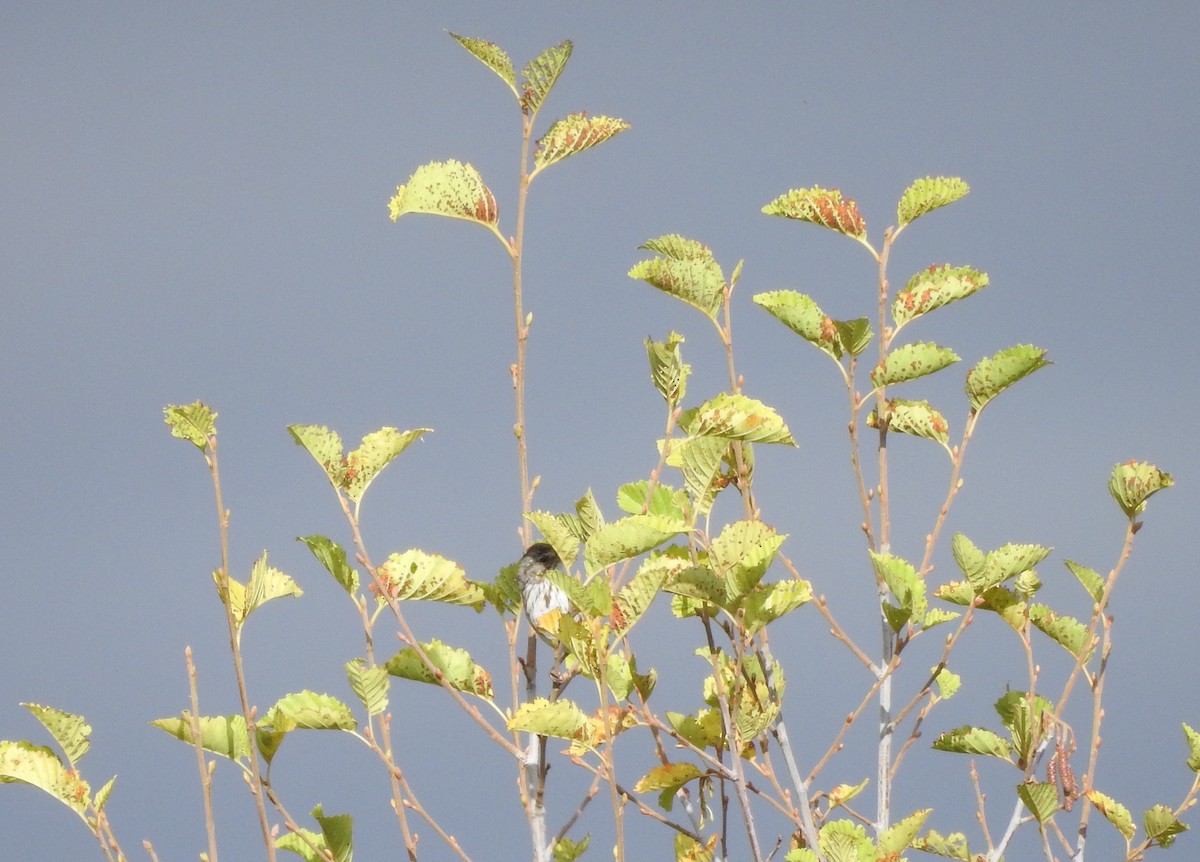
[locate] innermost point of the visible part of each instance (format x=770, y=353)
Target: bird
x=543, y=601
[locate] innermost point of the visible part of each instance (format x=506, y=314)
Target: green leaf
x=337, y=830
x=934, y=287
x=667, y=779
x=561, y=718
x=492, y=56
x=844, y=793
x=1040, y=798
x=627, y=538
x=908, y=588
x=910, y=362
x=1193, y=743
x=101, y=797
x=634, y=598
x=573, y=134
x=325, y=446
x=969, y=558
x=38, y=766
x=664, y=500
x=668, y=371
x=267, y=583
x=1007, y=561
x=926, y=195
x=703, y=730
x=947, y=682
x=766, y=603
x=448, y=188
x=417, y=575
x=591, y=519
x=223, y=735
x=376, y=451
x=333, y=557
x=1067, y=632
x=914, y=417
x=301, y=842
x=1023, y=720
x=855, y=334
x=454, y=665
x=992, y=376
x=308, y=710
x=686, y=270
x=974, y=740
x=70, y=731
x=304, y=710
x=1114, y=812
x=952, y=846
x=1091, y=580
x=802, y=315
x=566, y=850
x=736, y=417
x=899, y=836
x=540, y=73
x=195, y=422
x=825, y=207
x=559, y=531
x=742, y=553
x=369, y=684
x=1162, y=825
x=699, y=460
x=1133, y=483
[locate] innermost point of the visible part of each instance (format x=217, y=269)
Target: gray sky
x=195, y=207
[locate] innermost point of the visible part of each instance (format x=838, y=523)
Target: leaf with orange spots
x=913, y=417
x=910, y=362
x=1132, y=483
x=686, y=270
x=926, y=195
x=454, y=666
x=825, y=207
x=992, y=376
x=934, y=287
x=736, y=417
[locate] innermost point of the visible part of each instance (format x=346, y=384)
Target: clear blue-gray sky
x=194, y=207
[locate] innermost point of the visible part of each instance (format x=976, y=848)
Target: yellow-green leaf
x=454, y=665
x=914, y=417
x=1133, y=483
x=561, y=718
x=926, y=195
x=70, y=731
x=934, y=287
x=574, y=134
x=195, y=422
x=992, y=376
x=40, y=767
x=1114, y=812
x=492, y=56
x=1040, y=798
x=223, y=735
x=684, y=269
x=825, y=207
x=540, y=73
x=374, y=453
x=736, y=417
x=415, y=574
x=910, y=362
x=450, y=188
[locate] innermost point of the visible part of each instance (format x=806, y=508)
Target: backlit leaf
x=454, y=665
x=450, y=188
x=1067, y=632
x=742, y=553
x=540, y=73
x=1040, y=798
x=914, y=417
x=910, y=362
x=801, y=314
x=333, y=557
x=40, y=767
x=952, y=846
x=736, y=417
x=766, y=603
x=627, y=538
x=663, y=500
x=70, y=731
x=699, y=459
x=825, y=207
x=369, y=684
x=223, y=735
x=574, y=134
x=992, y=376
x=195, y=422
x=686, y=270
x=899, y=836
x=492, y=56
x=560, y=718
x=934, y=287
x=974, y=740
x=417, y=575
x=267, y=583
x=1114, y=812
x=1162, y=825
x=1132, y=483
x=1193, y=743
x=1091, y=581
x=668, y=371
x=926, y=195
x=374, y=453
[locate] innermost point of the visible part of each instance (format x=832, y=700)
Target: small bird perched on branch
x=543, y=602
